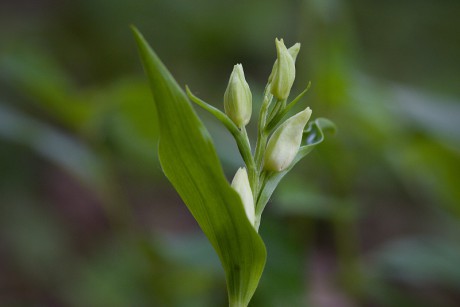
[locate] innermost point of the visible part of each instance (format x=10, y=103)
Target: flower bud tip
x=238, y=98
x=240, y=184
x=285, y=142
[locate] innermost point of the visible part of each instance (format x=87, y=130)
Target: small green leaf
x=190, y=162
x=279, y=116
x=221, y=116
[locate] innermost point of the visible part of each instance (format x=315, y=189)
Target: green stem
x=261, y=141
x=244, y=146
x=262, y=180
x=260, y=150
x=276, y=118
x=277, y=109
x=262, y=136
x=237, y=304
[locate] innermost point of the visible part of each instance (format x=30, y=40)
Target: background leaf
x=189, y=160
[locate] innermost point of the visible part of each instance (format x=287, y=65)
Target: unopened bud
x=241, y=185
x=293, y=51
x=238, y=98
x=285, y=142
x=283, y=73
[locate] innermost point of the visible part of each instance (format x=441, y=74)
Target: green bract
x=229, y=215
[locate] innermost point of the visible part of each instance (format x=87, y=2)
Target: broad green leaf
x=312, y=136
x=190, y=162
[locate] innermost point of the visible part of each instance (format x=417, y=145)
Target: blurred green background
x=370, y=218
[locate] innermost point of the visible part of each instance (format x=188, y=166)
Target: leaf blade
x=190, y=162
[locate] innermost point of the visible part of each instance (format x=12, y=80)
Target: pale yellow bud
x=293, y=51
x=241, y=185
x=283, y=73
x=238, y=98
x=285, y=142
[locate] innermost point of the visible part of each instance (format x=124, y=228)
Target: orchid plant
x=230, y=214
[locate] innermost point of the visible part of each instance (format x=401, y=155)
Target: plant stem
x=261, y=141
x=262, y=181
x=262, y=136
x=260, y=150
x=244, y=146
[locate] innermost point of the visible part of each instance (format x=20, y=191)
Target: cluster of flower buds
x=283, y=145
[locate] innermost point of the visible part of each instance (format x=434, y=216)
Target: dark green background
x=370, y=218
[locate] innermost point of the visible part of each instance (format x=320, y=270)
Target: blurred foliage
x=87, y=219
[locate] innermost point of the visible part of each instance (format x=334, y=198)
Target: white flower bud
x=241, y=185
x=285, y=142
x=283, y=73
x=293, y=51
x=238, y=98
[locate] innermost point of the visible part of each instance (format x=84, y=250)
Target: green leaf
x=312, y=136
x=278, y=117
x=190, y=162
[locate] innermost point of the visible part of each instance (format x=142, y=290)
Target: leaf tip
x=137, y=34
x=134, y=29
x=327, y=125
